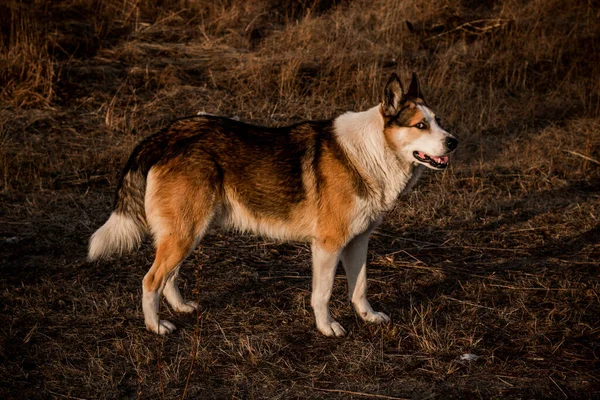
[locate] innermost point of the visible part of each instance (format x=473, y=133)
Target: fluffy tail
x=118, y=235
x=126, y=227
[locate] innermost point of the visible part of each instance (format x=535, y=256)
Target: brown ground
x=497, y=256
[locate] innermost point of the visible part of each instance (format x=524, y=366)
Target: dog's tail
x=127, y=226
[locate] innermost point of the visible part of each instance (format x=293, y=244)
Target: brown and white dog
x=324, y=182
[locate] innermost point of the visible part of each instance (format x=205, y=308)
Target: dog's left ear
x=414, y=90
x=392, y=96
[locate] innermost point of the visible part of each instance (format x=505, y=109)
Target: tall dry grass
x=27, y=70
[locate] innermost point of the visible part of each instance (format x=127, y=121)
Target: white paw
x=376, y=317
x=186, y=307
x=332, y=328
x=162, y=328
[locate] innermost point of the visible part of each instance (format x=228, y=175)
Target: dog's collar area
x=436, y=162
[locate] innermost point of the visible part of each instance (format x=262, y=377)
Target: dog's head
x=412, y=129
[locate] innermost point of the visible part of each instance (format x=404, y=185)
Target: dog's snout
x=451, y=143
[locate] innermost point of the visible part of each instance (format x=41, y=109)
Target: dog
x=326, y=182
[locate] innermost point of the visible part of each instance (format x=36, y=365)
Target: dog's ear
x=392, y=96
x=414, y=90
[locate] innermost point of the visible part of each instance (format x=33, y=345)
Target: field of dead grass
x=498, y=256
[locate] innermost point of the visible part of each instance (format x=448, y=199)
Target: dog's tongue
x=440, y=160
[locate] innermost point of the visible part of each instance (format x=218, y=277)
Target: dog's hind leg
x=354, y=259
x=173, y=296
x=171, y=291
x=170, y=252
x=179, y=210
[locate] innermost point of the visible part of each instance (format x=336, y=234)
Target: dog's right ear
x=392, y=96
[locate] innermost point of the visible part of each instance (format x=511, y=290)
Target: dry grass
x=497, y=256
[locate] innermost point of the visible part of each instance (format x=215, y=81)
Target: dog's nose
x=451, y=143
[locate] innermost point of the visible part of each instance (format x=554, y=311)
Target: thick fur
x=119, y=234
x=324, y=182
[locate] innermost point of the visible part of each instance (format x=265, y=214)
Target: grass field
x=497, y=256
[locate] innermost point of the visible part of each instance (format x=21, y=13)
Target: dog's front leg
x=354, y=259
x=324, y=265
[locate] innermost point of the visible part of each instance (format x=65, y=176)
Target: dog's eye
x=421, y=125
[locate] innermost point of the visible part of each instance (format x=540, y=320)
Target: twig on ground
x=158, y=360
x=373, y=395
x=193, y=353
x=65, y=396
x=467, y=302
x=588, y=158
x=472, y=28
x=535, y=288
x=559, y=388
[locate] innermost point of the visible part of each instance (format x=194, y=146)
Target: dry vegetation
x=497, y=256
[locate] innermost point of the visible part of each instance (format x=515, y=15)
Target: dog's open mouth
x=435, y=162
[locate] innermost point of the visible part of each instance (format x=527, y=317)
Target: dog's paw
x=164, y=327
x=376, y=317
x=331, y=329
x=187, y=307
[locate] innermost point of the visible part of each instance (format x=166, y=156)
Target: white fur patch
x=119, y=234
x=362, y=137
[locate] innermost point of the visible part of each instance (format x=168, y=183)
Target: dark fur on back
x=267, y=174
